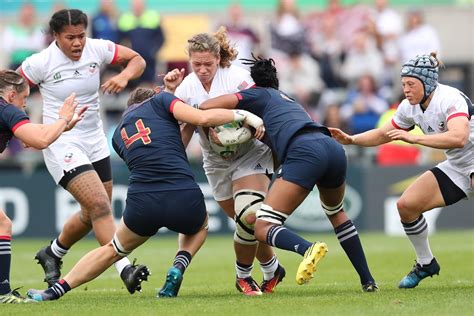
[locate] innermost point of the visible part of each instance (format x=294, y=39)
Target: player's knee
x=246, y=205
x=119, y=249
x=332, y=210
x=100, y=208
x=5, y=224
x=405, y=207
x=267, y=217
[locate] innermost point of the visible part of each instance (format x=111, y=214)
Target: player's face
x=71, y=40
x=413, y=90
x=204, y=65
x=18, y=99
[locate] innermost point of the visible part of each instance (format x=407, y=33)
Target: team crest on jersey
x=68, y=157
x=441, y=126
x=93, y=68
x=242, y=85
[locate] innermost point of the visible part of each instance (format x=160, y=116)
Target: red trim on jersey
x=239, y=96
x=31, y=83
x=19, y=124
x=172, y=104
x=6, y=237
x=398, y=127
x=253, y=86
x=456, y=115
x=115, y=55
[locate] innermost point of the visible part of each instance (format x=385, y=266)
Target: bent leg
x=332, y=200
x=5, y=252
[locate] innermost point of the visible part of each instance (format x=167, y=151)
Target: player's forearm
x=370, y=138
x=448, y=140
x=40, y=136
x=135, y=67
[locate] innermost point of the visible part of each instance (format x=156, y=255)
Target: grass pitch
x=208, y=286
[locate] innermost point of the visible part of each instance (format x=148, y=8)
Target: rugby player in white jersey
x=239, y=183
x=80, y=159
x=444, y=114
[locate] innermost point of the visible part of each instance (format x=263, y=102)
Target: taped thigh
x=119, y=248
x=246, y=205
x=331, y=210
x=268, y=214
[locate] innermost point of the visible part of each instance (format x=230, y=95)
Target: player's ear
x=11, y=95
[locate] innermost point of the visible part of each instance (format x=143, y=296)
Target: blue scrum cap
x=424, y=68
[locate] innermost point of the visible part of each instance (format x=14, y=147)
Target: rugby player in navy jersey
x=308, y=157
x=162, y=191
x=13, y=122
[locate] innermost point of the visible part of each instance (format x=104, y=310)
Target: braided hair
x=263, y=71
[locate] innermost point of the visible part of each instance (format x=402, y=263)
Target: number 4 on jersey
x=142, y=134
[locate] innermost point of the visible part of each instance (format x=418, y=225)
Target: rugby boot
x=268, y=286
x=370, y=286
x=133, y=275
x=14, y=297
x=248, y=286
x=51, y=266
x=418, y=273
x=306, y=269
x=174, y=277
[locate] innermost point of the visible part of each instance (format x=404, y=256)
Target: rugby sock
x=269, y=268
x=417, y=232
x=350, y=242
x=56, y=249
x=243, y=270
x=58, y=289
x=283, y=238
x=5, y=260
x=121, y=264
x=182, y=260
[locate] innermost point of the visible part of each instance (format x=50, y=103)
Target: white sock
x=121, y=264
x=243, y=270
x=57, y=250
x=417, y=232
x=269, y=268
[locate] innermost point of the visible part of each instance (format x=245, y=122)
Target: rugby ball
x=231, y=135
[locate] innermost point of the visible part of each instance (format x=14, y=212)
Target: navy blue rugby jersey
x=10, y=119
x=281, y=115
x=148, y=139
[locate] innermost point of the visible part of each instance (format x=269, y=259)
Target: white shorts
x=221, y=174
x=460, y=176
x=69, y=152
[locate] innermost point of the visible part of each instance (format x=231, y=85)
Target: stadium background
x=38, y=208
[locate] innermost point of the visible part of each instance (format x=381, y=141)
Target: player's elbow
x=40, y=145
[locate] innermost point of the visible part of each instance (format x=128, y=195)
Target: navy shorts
x=314, y=159
x=182, y=211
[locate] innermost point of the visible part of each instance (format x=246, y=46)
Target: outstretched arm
x=40, y=136
x=370, y=138
x=227, y=101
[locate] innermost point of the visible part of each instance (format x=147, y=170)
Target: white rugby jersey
x=57, y=77
x=226, y=80
x=446, y=103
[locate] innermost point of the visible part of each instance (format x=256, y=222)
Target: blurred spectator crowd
x=340, y=62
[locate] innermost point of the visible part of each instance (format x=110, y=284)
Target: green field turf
x=208, y=286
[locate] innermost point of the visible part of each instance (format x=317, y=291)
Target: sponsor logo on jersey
x=430, y=129
x=76, y=73
x=258, y=166
x=57, y=76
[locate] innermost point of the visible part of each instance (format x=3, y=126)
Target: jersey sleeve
x=247, y=97
x=14, y=117
x=455, y=107
x=106, y=50
x=401, y=118
x=167, y=100
x=33, y=69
